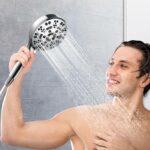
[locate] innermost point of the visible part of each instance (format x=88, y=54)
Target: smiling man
x=123, y=124
x=126, y=63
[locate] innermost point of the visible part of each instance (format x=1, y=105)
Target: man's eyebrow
x=122, y=61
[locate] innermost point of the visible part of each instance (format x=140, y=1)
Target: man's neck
x=132, y=105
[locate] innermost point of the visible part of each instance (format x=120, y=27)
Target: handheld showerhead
x=46, y=33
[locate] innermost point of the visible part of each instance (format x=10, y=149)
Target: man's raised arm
x=36, y=134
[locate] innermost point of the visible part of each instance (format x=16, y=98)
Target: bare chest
x=135, y=131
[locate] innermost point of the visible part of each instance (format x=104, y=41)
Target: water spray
x=46, y=33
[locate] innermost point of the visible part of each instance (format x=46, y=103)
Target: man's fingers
x=100, y=143
x=25, y=50
x=100, y=138
x=19, y=57
x=103, y=135
x=100, y=148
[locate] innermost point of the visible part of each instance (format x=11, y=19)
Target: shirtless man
x=123, y=124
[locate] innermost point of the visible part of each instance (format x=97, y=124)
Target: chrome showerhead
x=47, y=32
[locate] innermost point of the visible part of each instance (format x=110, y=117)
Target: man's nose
x=112, y=70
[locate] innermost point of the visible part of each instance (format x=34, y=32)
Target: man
x=123, y=124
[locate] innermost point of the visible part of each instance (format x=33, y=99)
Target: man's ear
x=145, y=80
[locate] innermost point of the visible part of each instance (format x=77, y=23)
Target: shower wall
x=97, y=26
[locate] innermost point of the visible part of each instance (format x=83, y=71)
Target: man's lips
x=112, y=81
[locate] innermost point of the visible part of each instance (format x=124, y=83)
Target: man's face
x=122, y=72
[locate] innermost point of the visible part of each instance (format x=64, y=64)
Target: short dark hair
x=144, y=48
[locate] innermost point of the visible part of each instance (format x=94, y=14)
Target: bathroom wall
x=97, y=26
x=137, y=20
x=137, y=25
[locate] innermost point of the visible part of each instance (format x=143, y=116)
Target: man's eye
x=123, y=66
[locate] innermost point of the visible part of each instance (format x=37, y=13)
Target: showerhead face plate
x=48, y=33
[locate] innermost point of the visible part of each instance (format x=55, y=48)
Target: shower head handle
x=46, y=33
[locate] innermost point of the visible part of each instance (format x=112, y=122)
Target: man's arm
x=37, y=134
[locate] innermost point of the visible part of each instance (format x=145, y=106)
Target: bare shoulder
x=73, y=112
x=81, y=113
x=88, y=110
x=94, y=108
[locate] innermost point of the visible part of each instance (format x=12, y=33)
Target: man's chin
x=112, y=92
x=116, y=94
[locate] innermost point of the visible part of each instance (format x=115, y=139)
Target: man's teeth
x=113, y=81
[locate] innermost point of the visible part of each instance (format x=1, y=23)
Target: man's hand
x=112, y=141
x=25, y=56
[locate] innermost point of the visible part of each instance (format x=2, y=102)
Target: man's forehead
x=127, y=55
